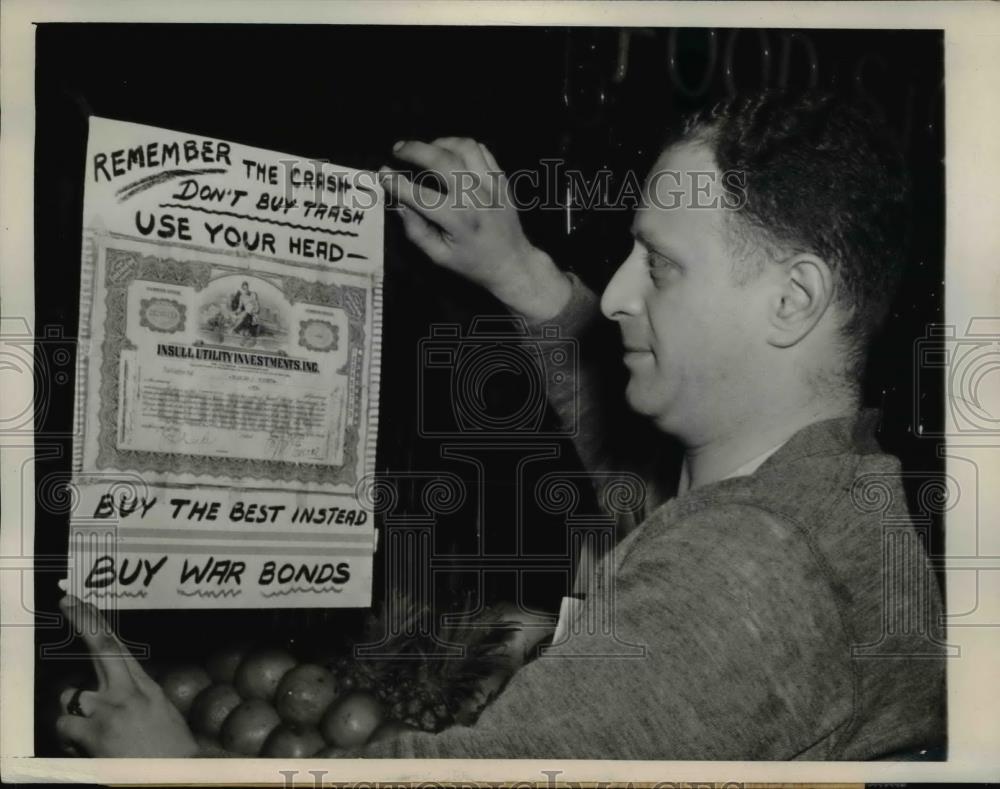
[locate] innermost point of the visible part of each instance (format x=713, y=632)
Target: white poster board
x=227, y=375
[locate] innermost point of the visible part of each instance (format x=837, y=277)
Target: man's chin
x=644, y=402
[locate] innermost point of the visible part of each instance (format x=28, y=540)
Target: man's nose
x=622, y=297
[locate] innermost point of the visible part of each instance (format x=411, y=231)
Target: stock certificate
x=227, y=376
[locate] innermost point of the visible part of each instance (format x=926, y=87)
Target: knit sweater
x=786, y=614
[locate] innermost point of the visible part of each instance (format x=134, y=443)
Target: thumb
x=78, y=730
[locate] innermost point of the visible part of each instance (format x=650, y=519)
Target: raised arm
x=474, y=230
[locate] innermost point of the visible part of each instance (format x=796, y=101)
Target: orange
x=212, y=707
x=209, y=748
x=304, y=694
x=248, y=727
x=292, y=742
x=183, y=683
x=390, y=730
x=352, y=720
x=259, y=674
x=222, y=665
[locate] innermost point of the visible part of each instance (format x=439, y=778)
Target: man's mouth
x=635, y=354
x=633, y=348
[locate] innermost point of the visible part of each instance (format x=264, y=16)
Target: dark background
x=592, y=97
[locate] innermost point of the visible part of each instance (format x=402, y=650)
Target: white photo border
x=972, y=68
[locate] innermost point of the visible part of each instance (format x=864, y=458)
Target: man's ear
x=805, y=290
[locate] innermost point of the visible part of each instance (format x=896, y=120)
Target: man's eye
x=658, y=264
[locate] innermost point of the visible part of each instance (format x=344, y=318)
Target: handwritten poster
x=227, y=376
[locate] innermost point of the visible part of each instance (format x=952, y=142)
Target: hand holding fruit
x=128, y=714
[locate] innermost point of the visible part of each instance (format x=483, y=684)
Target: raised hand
x=473, y=228
x=128, y=714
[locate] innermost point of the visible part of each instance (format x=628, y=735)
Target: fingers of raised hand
x=424, y=234
x=491, y=163
x=90, y=719
x=114, y=729
x=80, y=731
x=81, y=703
x=461, y=164
x=117, y=670
x=482, y=175
x=467, y=150
x=435, y=158
x=416, y=196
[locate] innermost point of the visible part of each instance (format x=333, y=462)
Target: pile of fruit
x=264, y=702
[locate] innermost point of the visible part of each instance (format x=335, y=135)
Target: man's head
x=760, y=281
x=245, y=286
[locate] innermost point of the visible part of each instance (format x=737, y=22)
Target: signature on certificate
x=178, y=436
x=292, y=447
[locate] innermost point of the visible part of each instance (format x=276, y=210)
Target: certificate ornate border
x=144, y=320
x=122, y=267
x=304, y=341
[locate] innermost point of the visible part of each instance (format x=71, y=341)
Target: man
x=758, y=614
x=245, y=308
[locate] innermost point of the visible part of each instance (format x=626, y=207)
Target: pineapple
x=430, y=683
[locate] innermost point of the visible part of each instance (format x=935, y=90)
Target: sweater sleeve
x=588, y=399
x=727, y=644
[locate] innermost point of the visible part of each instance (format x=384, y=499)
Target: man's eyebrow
x=647, y=242
x=638, y=235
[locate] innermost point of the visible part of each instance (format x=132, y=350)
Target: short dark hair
x=825, y=176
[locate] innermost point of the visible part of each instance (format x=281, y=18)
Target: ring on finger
x=73, y=705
